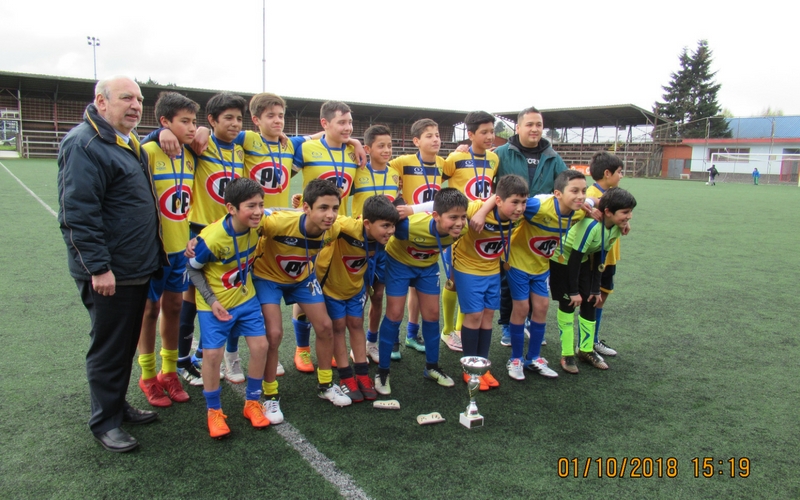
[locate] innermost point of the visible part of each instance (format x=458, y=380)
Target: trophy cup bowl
x=474, y=366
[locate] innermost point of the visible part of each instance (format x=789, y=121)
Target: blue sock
x=469, y=341
x=233, y=343
x=598, y=313
x=535, y=344
x=517, y=339
x=413, y=330
x=388, y=334
x=430, y=332
x=253, y=388
x=484, y=342
x=302, y=332
x=186, y=329
x=372, y=336
x=212, y=399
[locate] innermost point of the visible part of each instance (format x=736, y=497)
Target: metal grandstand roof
x=85, y=88
x=621, y=115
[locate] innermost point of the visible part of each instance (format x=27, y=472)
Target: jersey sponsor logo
x=160, y=166
x=216, y=184
x=291, y=265
x=231, y=278
x=424, y=194
x=264, y=174
x=418, y=254
x=355, y=242
x=354, y=263
x=489, y=248
x=346, y=180
x=316, y=154
x=478, y=188
x=174, y=205
x=543, y=245
x=288, y=240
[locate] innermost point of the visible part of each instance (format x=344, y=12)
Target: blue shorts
x=354, y=306
x=247, y=322
x=479, y=292
x=522, y=284
x=173, y=278
x=269, y=292
x=424, y=279
x=380, y=268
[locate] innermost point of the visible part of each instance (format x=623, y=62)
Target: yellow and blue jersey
x=341, y=267
x=414, y=242
x=270, y=164
x=285, y=253
x=316, y=160
x=612, y=257
x=589, y=236
x=216, y=254
x=477, y=253
x=173, y=180
x=369, y=182
x=538, y=237
x=421, y=181
x=219, y=164
x=471, y=174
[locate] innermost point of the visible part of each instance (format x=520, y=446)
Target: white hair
x=103, y=85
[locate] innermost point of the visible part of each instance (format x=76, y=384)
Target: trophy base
x=470, y=421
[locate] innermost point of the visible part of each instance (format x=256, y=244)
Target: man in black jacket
x=109, y=219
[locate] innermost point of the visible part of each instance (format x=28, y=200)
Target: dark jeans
x=116, y=322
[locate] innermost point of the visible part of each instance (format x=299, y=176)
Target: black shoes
x=134, y=417
x=117, y=440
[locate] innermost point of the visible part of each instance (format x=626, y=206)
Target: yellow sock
x=325, y=377
x=169, y=360
x=148, y=364
x=459, y=321
x=449, y=302
x=269, y=388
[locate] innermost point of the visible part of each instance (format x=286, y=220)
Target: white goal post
x=773, y=168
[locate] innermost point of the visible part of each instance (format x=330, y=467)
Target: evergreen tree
x=690, y=99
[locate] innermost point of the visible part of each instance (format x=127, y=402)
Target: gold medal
x=561, y=258
x=450, y=285
x=506, y=266
x=244, y=290
x=601, y=267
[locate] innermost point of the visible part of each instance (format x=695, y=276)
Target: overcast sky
x=465, y=55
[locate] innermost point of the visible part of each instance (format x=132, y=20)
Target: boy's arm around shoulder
x=477, y=221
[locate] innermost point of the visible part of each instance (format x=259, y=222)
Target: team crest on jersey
x=479, y=188
x=216, y=184
x=354, y=263
x=424, y=194
x=288, y=240
x=291, y=265
x=240, y=154
x=489, y=248
x=543, y=245
x=174, y=205
x=189, y=165
x=231, y=279
x=345, y=179
x=418, y=254
x=352, y=156
x=264, y=174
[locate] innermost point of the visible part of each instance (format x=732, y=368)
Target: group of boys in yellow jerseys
x=242, y=259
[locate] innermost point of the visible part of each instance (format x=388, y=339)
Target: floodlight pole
x=94, y=42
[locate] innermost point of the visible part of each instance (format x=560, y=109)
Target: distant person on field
x=756, y=175
x=712, y=174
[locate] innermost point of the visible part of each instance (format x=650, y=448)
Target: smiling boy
x=412, y=260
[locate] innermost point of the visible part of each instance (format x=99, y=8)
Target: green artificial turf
x=704, y=318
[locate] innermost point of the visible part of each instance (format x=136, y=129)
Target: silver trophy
x=474, y=366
